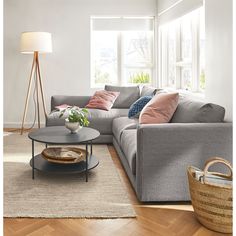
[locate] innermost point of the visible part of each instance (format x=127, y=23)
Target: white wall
x=169, y=10
x=67, y=69
x=219, y=51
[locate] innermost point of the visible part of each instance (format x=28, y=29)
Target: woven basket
x=212, y=203
x=64, y=155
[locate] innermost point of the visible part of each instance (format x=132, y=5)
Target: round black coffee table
x=59, y=135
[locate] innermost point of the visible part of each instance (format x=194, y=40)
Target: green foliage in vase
x=140, y=78
x=75, y=114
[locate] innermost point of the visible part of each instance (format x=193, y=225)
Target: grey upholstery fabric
x=155, y=157
x=128, y=95
x=102, y=120
x=54, y=120
x=125, y=164
x=148, y=91
x=129, y=146
x=165, y=151
x=189, y=111
x=80, y=101
x=113, y=113
x=99, y=119
x=122, y=123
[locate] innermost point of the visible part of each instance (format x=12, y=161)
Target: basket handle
x=213, y=161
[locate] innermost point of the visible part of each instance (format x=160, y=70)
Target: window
x=105, y=57
x=121, y=51
x=182, y=52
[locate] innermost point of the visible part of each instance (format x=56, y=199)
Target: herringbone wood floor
x=158, y=220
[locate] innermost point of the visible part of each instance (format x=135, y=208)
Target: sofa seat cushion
x=122, y=123
x=129, y=147
x=99, y=119
x=190, y=111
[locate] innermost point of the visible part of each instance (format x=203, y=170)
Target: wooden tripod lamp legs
x=41, y=87
x=38, y=83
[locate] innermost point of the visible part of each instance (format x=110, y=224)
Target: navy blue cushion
x=137, y=106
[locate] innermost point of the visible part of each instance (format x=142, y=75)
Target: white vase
x=74, y=127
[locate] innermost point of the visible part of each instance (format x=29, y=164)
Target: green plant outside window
x=140, y=78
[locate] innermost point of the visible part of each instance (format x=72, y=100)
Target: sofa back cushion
x=148, y=91
x=128, y=95
x=160, y=109
x=190, y=111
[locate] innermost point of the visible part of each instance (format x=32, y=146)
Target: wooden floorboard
x=167, y=219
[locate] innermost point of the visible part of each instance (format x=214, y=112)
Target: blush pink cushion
x=62, y=107
x=160, y=109
x=103, y=100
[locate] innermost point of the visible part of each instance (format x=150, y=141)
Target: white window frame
x=180, y=63
x=121, y=66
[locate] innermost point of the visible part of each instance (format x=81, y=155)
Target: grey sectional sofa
x=155, y=156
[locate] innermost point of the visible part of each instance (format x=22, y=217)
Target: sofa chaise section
x=155, y=157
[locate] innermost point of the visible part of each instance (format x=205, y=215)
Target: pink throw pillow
x=103, y=100
x=160, y=109
x=62, y=107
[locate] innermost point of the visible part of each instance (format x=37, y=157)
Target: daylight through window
x=182, y=52
x=121, y=51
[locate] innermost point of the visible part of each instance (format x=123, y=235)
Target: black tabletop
x=61, y=135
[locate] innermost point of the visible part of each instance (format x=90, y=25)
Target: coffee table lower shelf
x=43, y=165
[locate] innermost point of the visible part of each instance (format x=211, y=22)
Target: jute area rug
x=61, y=196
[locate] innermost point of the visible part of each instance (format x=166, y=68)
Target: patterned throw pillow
x=137, y=106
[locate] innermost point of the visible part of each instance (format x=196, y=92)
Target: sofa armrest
x=165, y=150
x=80, y=101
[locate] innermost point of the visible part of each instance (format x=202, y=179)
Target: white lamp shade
x=36, y=42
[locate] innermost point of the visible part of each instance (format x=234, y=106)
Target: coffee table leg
x=32, y=159
x=86, y=162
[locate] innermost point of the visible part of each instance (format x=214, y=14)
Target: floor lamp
x=35, y=43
